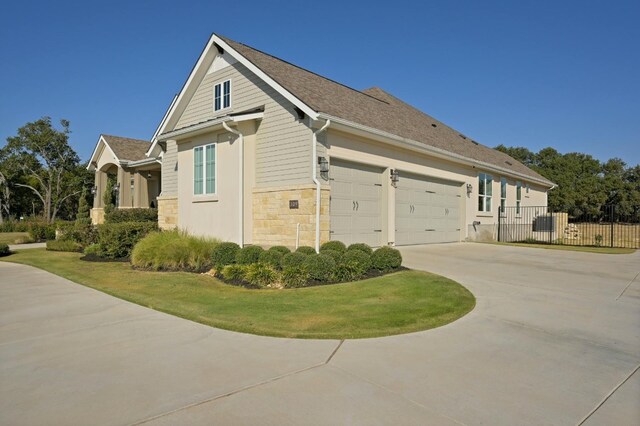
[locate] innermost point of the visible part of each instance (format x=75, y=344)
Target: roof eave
x=208, y=126
x=350, y=126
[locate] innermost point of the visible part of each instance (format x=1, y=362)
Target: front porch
x=122, y=169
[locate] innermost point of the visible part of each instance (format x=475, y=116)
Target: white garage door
x=356, y=203
x=427, y=210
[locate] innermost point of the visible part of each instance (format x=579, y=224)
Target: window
x=222, y=95
x=485, y=191
x=204, y=169
x=503, y=195
x=518, y=196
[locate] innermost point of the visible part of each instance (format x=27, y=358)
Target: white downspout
x=241, y=169
x=314, y=163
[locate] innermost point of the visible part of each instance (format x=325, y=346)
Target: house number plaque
x=293, y=204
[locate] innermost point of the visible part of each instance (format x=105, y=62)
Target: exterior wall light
x=324, y=165
x=395, y=177
x=469, y=189
x=94, y=190
x=116, y=188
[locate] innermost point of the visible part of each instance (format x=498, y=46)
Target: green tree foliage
x=584, y=184
x=39, y=160
x=83, y=209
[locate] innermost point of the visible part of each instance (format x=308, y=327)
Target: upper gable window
x=222, y=95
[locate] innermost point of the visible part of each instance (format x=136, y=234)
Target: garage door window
x=485, y=191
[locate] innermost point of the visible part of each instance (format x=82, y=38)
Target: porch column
x=101, y=186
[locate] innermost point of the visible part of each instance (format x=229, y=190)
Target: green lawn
x=14, y=237
x=587, y=249
x=398, y=303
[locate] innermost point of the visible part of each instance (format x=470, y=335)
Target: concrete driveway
x=554, y=339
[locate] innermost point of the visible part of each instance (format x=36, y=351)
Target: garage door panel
x=427, y=210
x=356, y=203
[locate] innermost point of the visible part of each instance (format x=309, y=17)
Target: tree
x=107, y=197
x=83, y=209
x=43, y=162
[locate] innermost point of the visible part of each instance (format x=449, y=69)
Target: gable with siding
x=283, y=143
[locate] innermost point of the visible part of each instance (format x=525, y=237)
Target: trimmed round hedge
x=386, y=259
x=337, y=256
x=4, y=250
x=306, y=250
x=224, y=254
x=272, y=258
x=293, y=259
x=362, y=247
x=360, y=260
x=282, y=249
x=320, y=267
x=333, y=245
x=249, y=255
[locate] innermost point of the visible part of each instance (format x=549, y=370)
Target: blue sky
x=529, y=73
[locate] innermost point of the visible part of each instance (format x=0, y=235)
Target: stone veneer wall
x=274, y=223
x=97, y=215
x=167, y=212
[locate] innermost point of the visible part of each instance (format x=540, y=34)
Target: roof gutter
x=314, y=176
x=420, y=147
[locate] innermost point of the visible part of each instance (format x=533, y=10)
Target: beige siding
x=170, y=170
x=283, y=143
x=343, y=146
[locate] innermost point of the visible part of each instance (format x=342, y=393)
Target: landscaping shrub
x=261, y=275
x=271, y=257
x=306, y=250
x=293, y=259
x=295, y=276
x=117, y=239
x=93, y=249
x=82, y=233
x=386, y=259
x=333, y=245
x=131, y=215
x=282, y=249
x=360, y=260
x=224, y=254
x=345, y=272
x=320, y=267
x=362, y=247
x=248, y=255
x=4, y=250
x=173, y=251
x=337, y=256
x=235, y=273
x=64, y=245
x=41, y=231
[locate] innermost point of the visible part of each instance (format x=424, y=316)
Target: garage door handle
x=357, y=206
x=377, y=230
x=354, y=205
x=429, y=229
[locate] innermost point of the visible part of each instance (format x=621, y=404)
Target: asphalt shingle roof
x=127, y=149
x=375, y=108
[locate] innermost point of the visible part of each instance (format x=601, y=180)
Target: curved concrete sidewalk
x=553, y=340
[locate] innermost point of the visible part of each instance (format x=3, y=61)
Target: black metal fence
x=608, y=226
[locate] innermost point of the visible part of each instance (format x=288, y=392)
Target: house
x=257, y=150
x=136, y=176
